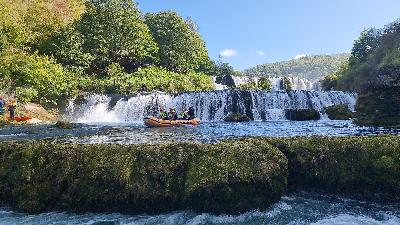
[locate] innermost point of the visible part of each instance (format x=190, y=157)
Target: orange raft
x=20, y=118
x=152, y=121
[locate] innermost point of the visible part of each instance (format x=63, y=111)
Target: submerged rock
x=302, y=114
x=237, y=117
x=64, y=125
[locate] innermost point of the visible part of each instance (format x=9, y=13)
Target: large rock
x=338, y=112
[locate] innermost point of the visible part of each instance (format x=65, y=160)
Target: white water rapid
x=209, y=106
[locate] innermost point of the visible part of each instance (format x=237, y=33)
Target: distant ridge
x=312, y=67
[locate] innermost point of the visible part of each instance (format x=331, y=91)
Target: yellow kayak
x=152, y=121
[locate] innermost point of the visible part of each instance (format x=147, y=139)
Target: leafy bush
x=25, y=95
x=264, y=84
x=47, y=81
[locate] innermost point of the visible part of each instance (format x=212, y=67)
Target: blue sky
x=258, y=31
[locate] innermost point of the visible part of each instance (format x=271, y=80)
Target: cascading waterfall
x=208, y=105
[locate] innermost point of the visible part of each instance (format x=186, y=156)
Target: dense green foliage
x=374, y=72
x=263, y=84
x=312, y=68
x=228, y=177
x=286, y=84
x=181, y=48
x=339, y=112
x=52, y=50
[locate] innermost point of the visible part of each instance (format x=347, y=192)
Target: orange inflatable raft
x=155, y=122
x=20, y=118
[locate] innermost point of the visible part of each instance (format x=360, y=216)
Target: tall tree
x=181, y=48
x=110, y=31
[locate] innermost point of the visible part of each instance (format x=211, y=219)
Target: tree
x=264, y=84
x=286, y=84
x=366, y=43
x=181, y=48
x=110, y=31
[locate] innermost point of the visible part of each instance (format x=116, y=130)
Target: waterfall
x=208, y=105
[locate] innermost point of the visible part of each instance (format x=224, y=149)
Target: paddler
x=172, y=114
x=163, y=115
x=191, y=113
x=11, y=107
x=184, y=114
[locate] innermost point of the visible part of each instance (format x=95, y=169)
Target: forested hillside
x=53, y=50
x=312, y=68
x=374, y=72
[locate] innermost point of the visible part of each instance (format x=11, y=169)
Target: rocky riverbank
x=228, y=177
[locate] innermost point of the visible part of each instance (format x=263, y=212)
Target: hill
x=312, y=68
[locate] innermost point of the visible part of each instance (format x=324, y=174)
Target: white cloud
x=260, y=53
x=228, y=53
x=300, y=56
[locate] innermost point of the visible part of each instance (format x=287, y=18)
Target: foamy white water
x=299, y=208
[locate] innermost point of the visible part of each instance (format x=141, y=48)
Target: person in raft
x=172, y=114
x=12, y=106
x=184, y=114
x=191, y=114
x=163, y=115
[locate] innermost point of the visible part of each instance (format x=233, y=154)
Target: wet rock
x=64, y=125
x=302, y=114
x=237, y=117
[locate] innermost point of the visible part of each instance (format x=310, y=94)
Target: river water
x=298, y=208
x=134, y=133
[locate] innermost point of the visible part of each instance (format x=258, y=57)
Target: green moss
x=362, y=166
x=37, y=177
x=338, y=112
x=302, y=114
x=228, y=177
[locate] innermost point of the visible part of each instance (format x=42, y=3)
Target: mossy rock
x=302, y=114
x=362, y=167
x=237, y=117
x=64, y=125
x=236, y=176
x=38, y=177
x=339, y=112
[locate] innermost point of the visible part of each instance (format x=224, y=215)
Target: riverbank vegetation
x=373, y=71
x=52, y=50
x=228, y=177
